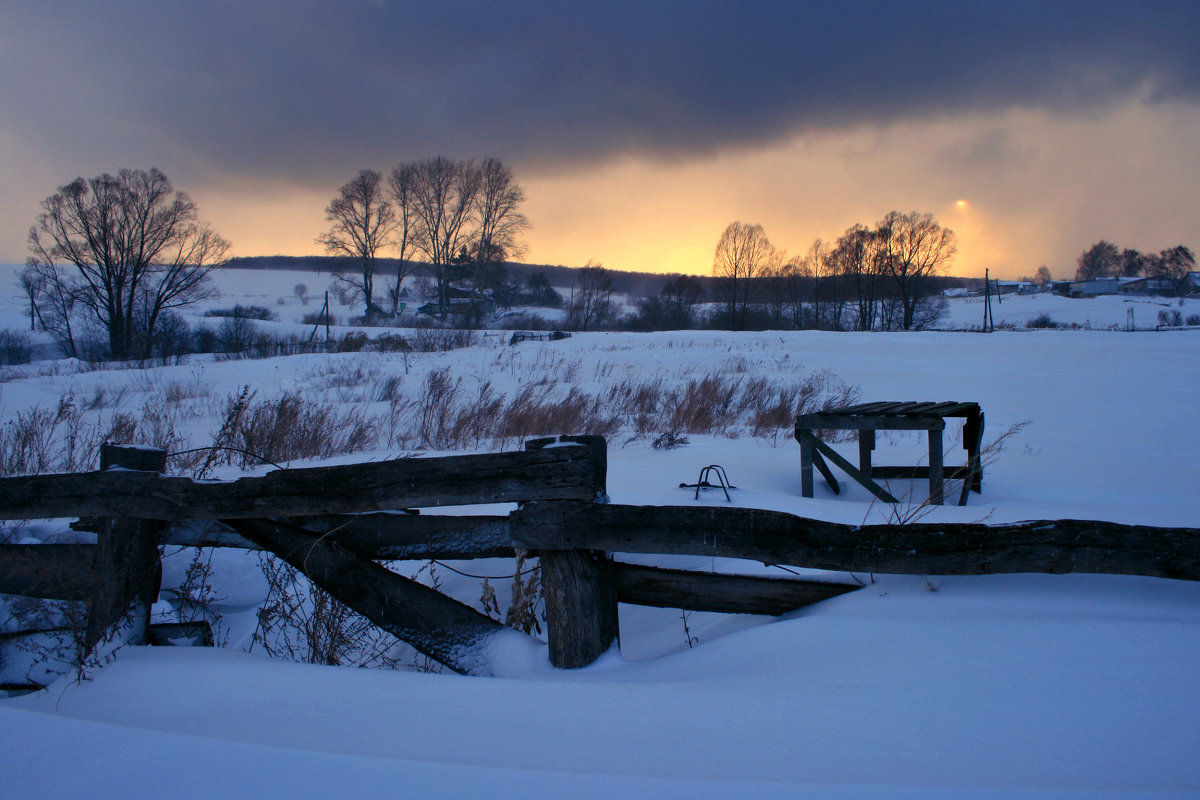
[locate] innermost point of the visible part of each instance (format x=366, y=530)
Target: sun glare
x=961, y=205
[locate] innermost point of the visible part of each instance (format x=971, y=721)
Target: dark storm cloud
x=287, y=87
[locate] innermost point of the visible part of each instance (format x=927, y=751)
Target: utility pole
x=989, y=323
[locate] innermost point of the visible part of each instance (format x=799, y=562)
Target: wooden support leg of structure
x=128, y=569
x=935, y=467
x=581, y=605
x=806, y=467
x=866, y=443
x=973, y=444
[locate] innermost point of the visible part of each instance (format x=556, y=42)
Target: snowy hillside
x=967, y=687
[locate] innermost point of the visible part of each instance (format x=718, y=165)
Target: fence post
x=580, y=589
x=128, y=569
x=579, y=586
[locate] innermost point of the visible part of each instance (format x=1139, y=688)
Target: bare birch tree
x=744, y=253
x=403, y=185
x=445, y=195
x=363, y=221
x=914, y=247
x=858, y=259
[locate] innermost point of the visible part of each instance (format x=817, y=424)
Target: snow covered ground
x=975, y=687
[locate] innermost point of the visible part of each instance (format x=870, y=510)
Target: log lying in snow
x=438, y=626
x=730, y=594
x=774, y=537
x=559, y=473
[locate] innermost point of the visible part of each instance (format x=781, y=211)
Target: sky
x=639, y=129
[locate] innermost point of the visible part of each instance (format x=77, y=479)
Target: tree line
x=1105, y=260
x=871, y=278
x=461, y=216
x=123, y=252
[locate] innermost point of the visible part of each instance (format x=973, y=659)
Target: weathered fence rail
x=557, y=473
x=335, y=523
x=775, y=537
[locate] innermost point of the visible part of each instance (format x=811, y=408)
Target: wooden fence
x=336, y=523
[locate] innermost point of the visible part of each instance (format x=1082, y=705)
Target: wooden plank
x=818, y=422
x=847, y=467
x=826, y=472
x=912, y=409
x=379, y=536
x=900, y=407
x=773, y=537
x=730, y=594
x=860, y=408
x=558, y=473
x=52, y=571
x=440, y=627
x=958, y=410
x=581, y=606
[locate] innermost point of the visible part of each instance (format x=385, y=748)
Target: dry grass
x=290, y=428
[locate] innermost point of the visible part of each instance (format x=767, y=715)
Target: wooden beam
x=598, y=445
x=52, y=571
x=774, y=537
x=826, y=472
x=438, y=626
x=731, y=594
x=837, y=422
x=381, y=536
x=558, y=473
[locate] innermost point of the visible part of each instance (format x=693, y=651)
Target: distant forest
x=634, y=284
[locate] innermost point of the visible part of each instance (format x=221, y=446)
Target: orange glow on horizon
x=665, y=216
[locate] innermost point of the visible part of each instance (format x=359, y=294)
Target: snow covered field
x=977, y=687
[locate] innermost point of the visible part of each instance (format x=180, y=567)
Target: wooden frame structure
x=866, y=419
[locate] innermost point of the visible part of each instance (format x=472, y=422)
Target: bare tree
x=1175, y=264
x=500, y=222
x=794, y=280
x=59, y=293
x=403, y=184
x=1101, y=260
x=914, y=247
x=591, y=302
x=137, y=247
x=363, y=221
x=743, y=254
x=674, y=308
x=859, y=260
x=445, y=194
x=1043, y=275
